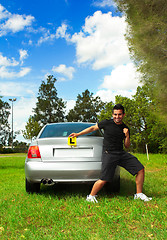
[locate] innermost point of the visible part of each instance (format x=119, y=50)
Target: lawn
x=61, y=212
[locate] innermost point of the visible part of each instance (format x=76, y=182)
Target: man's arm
x=85, y=131
x=127, y=138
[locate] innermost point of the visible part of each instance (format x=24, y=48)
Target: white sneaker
x=91, y=198
x=142, y=196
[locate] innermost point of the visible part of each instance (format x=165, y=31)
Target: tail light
x=33, y=152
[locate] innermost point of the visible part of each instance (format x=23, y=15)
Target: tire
x=32, y=187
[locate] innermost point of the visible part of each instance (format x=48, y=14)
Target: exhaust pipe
x=47, y=181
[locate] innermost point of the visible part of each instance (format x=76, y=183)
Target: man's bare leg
x=97, y=187
x=139, y=181
x=139, y=187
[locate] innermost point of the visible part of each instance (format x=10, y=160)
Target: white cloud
x=23, y=106
x=30, y=42
x=61, y=32
x=23, y=72
x=104, y=3
x=23, y=55
x=4, y=61
x=7, y=73
x=17, y=89
x=6, y=66
x=3, y=13
x=47, y=36
x=13, y=22
x=70, y=105
x=109, y=95
x=101, y=41
x=123, y=77
x=66, y=71
x=123, y=81
x=22, y=109
x=17, y=23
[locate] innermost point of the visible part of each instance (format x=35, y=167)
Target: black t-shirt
x=113, y=135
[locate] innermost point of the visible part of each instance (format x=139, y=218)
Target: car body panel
x=57, y=149
x=63, y=171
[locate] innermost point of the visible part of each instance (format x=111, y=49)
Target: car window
x=64, y=130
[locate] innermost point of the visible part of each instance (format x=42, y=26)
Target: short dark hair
x=118, y=107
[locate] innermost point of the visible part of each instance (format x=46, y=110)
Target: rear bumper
x=62, y=171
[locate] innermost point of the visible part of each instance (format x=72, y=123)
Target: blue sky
x=81, y=43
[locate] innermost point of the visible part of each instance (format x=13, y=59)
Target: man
x=115, y=133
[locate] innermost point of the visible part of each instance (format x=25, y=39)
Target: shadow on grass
x=11, y=167
x=66, y=189
x=127, y=188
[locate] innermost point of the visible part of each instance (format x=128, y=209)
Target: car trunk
x=57, y=149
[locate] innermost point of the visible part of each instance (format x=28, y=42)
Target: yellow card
x=72, y=141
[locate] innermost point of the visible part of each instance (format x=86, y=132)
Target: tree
x=49, y=108
x=146, y=35
x=137, y=118
x=145, y=126
x=106, y=113
x=86, y=108
x=32, y=129
x=4, y=125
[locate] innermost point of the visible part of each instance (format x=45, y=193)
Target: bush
x=14, y=150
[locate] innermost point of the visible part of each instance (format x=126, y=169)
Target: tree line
x=5, y=133
x=142, y=117
x=145, y=125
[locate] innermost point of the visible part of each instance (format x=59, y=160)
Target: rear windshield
x=64, y=130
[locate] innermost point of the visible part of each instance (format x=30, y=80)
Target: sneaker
x=142, y=196
x=91, y=198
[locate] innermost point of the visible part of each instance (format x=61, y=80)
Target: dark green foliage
x=106, y=113
x=49, y=108
x=32, y=128
x=4, y=125
x=86, y=108
x=147, y=39
x=146, y=128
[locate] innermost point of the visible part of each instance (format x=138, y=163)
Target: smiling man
x=116, y=133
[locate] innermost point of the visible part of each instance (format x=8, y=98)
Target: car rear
x=50, y=159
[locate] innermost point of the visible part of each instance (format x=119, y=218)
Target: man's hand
x=73, y=135
x=126, y=131
x=127, y=139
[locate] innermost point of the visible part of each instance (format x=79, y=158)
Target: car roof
x=71, y=123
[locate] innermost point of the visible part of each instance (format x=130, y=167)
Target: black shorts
x=110, y=160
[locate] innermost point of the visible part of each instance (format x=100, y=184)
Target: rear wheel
x=32, y=187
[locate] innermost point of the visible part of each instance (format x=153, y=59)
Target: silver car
x=54, y=158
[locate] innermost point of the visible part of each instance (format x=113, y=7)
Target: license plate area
x=73, y=152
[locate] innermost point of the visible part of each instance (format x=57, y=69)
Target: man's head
x=118, y=107
x=118, y=113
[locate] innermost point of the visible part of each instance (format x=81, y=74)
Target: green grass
x=61, y=212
